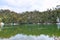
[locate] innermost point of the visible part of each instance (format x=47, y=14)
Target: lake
x=29, y=30
x=28, y=37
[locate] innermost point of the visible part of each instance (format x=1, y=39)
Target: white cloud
x=28, y=5
x=10, y=8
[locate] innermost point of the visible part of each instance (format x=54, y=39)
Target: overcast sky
x=28, y=5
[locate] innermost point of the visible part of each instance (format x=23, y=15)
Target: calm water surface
x=8, y=31
x=28, y=37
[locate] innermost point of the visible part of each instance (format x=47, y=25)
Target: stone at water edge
x=1, y=25
x=58, y=22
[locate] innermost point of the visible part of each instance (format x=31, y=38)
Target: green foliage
x=30, y=17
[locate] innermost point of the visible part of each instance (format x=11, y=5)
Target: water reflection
x=58, y=25
x=30, y=37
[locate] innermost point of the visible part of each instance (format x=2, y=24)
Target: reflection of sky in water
x=30, y=37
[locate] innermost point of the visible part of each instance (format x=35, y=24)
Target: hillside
x=49, y=16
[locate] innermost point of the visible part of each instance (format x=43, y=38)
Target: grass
x=29, y=29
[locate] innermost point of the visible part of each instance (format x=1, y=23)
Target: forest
x=49, y=16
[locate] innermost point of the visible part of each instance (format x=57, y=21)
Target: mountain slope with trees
x=48, y=16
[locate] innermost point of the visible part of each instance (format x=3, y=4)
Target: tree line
x=49, y=16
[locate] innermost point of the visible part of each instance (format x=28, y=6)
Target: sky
x=28, y=5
